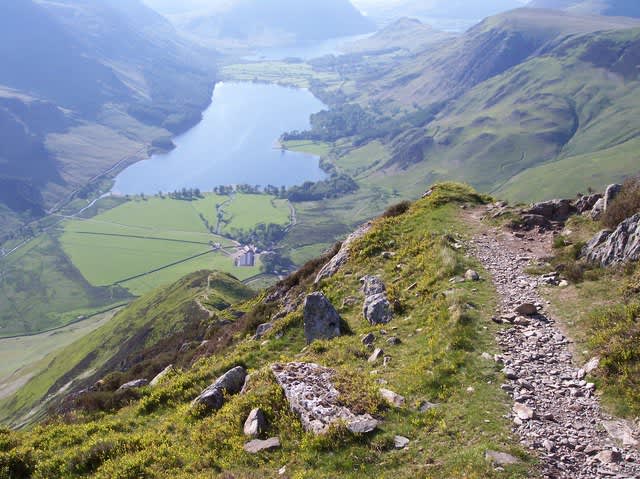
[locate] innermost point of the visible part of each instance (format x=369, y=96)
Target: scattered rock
x=387, y=254
x=163, y=374
x=256, y=423
x=377, y=309
x=400, y=442
x=591, y=365
x=368, y=339
x=501, y=458
x=393, y=341
x=342, y=256
x=392, y=398
x=257, y=445
x=609, y=457
x=426, y=406
x=321, y=320
x=230, y=383
x=471, y=275
x=527, y=309
x=621, y=431
x=523, y=412
x=312, y=396
x=262, y=330
x=138, y=383
x=376, y=355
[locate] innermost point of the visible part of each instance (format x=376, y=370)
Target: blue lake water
x=235, y=143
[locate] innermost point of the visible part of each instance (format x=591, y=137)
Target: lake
x=235, y=143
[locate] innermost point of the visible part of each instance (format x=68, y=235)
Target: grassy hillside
x=443, y=331
x=616, y=8
x=181, y=309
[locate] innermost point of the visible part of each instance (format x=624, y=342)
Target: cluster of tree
x=186, y=194
x=263, y=236
x=333, y=187
x=331, y=125
x=273, y=262
x=351, y=120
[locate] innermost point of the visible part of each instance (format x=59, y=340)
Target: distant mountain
x=82, y=85
x=615, y=8
x=531, y=103
x=262, y=23
x=387, y=11
x=394, y=36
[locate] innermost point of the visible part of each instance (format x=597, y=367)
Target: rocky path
x=556, y=410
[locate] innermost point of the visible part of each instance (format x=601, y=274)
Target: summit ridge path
x=556, y=411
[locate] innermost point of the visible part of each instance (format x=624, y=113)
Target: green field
x=297, y=75
x=144, y=244
x=245, y=212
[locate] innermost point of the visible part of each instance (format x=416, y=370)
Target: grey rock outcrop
x=312, y=396
x=620, y=246
x=163, y=374
x=554, y=210
x=229, y=383
x=376, y=309
x=342, y=256
x=321, y=320
x=138, y=383
x=585, y=203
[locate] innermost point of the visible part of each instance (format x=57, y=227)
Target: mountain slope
x=452, y=399
x=148, y=334
x=84, y=84
x=488, y=49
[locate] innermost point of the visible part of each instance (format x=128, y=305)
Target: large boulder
x=342, y=256
x=376, y=309
x=312, y=396
x=321, y=320
x=229, y=383
x=620, y=246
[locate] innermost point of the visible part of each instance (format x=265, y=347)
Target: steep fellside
x=402, y=389
x=615, y=8
x=149, y=334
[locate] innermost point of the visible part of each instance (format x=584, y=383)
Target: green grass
x=245, y=212
x=438, y=359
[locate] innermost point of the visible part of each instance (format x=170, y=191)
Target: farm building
x=246, y=257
